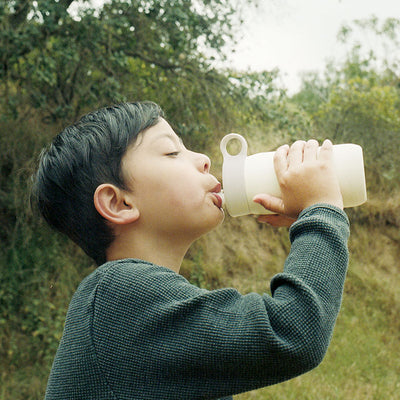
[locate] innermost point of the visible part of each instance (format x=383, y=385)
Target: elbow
x=309, y=352
x=311, y=356
x=305, y=347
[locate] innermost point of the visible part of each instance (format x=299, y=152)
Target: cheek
x=182, y=191
x=184, y=199
x=170, y=195
x=171, y=190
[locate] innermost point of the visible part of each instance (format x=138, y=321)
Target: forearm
x=319, y=254
x=312, y=281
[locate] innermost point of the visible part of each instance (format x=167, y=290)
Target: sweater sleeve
x=157, y=336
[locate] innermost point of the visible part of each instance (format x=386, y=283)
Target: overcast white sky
x=300, y=35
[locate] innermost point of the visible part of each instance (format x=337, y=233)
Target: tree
x=60, y=62
x=359, y=99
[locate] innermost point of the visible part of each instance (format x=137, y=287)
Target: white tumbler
x=245, y=176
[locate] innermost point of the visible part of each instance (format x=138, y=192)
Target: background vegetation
x=59, y=59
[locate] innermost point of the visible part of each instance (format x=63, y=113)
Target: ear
x=112, y=203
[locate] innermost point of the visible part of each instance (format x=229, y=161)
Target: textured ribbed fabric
x=135, y=330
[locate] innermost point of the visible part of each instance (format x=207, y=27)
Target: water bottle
x=245, y=176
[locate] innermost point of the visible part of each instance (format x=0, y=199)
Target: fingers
x=311, y=150
x=276, y=220
x=280, y=160
x=305, y=176
x=275, y=205
x=301, y=151
x=291, y=157
x=325, y=153
x=295, y=156
x=270, y=203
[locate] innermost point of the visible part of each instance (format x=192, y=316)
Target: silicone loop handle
x=233, y=176
x=232, y=136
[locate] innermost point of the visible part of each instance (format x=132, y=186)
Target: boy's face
x=171, y=185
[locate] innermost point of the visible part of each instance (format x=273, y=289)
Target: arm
x=165, y=334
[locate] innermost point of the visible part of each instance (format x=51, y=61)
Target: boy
x=121, y=184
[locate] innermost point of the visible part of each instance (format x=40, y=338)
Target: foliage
x=370, y=116
x=359, y=100
x=60, y=63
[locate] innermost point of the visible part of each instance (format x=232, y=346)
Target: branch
x=148, y=60
x=21, y=11
x=66, y=3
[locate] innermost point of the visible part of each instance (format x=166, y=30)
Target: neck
x=167, y=251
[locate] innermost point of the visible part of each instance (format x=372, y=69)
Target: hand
x=305, y=178
x=276, y=220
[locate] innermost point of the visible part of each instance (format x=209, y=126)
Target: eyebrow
x=169, y=136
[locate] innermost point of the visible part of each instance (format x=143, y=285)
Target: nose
x=203, y=162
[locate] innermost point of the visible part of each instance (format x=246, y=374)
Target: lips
x=216, y=188
x=217, y=198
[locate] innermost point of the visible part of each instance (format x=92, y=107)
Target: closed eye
x=174, y=153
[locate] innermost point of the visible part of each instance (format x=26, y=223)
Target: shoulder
x=128, y=272
x=132, y=280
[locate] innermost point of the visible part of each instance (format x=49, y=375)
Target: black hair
x=82, y=157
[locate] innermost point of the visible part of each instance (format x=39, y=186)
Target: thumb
x=271, y=203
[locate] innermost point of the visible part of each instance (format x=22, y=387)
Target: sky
x=300, y=35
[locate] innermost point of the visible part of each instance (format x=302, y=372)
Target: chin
x=217, y=220
x=222, y=217
x=207, y=223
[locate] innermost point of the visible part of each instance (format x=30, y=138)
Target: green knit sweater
x=135, y=330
